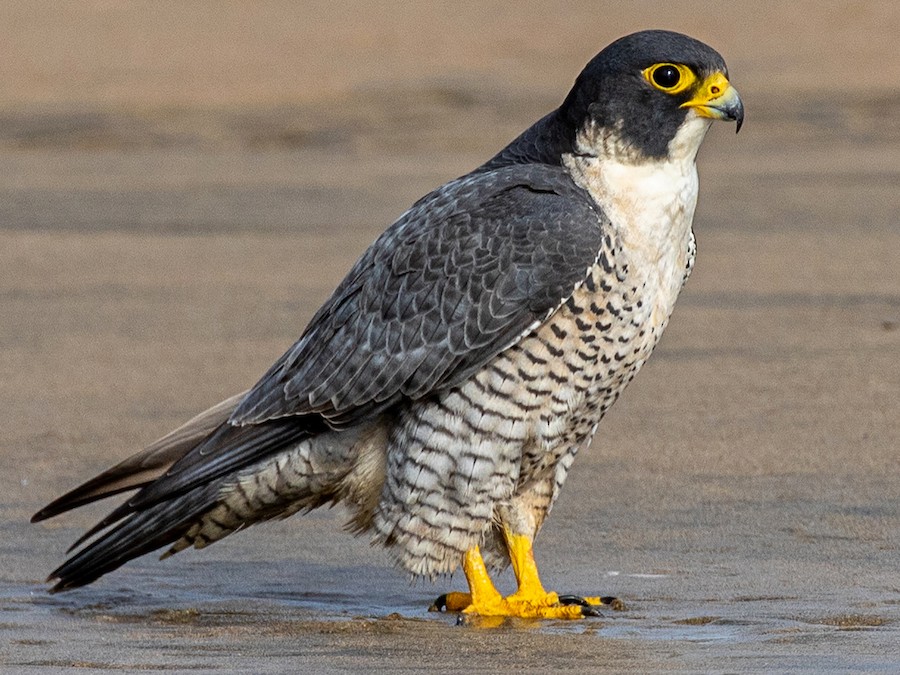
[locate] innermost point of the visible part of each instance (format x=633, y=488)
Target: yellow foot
x=530, y=601
x=547, y=606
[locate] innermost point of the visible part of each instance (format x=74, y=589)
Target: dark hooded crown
x=611, y=92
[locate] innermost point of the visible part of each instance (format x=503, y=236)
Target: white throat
x=649, y=203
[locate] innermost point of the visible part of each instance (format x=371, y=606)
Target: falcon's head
x=645, y=91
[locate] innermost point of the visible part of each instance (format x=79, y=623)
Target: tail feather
x=184, y=471
x=138, y=534
x=142, y=468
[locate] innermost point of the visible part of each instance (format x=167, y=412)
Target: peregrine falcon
x=443, y=390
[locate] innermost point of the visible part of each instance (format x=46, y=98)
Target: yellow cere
x=713, y=87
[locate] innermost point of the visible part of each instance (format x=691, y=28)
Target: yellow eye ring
x=672, y=78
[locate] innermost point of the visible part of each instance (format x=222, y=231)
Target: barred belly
x=499, y=446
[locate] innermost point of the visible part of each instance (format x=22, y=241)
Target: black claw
x=587, y=609
x=573, y=600
x=440, y=604
x=613, y=603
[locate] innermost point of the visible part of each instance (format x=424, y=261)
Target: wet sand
x=180, y=188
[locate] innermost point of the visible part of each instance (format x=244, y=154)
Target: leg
x=521, y=554
x=520, y=519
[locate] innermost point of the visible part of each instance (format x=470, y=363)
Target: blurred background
x=183, y=183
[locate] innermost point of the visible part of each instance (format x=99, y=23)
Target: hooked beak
x=716, y=99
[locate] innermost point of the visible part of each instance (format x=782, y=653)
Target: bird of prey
x=444, y=389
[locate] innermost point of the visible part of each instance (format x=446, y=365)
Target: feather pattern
x=455, y=281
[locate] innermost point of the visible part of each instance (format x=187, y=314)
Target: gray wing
x=457, y=279
x=461, y=276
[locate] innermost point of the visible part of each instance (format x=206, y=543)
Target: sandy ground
x=181, y=184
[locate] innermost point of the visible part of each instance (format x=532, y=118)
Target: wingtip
x=58, y=584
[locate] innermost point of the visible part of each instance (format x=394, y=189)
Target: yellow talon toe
x=451, y=602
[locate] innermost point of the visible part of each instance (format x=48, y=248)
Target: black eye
x=666, y=77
